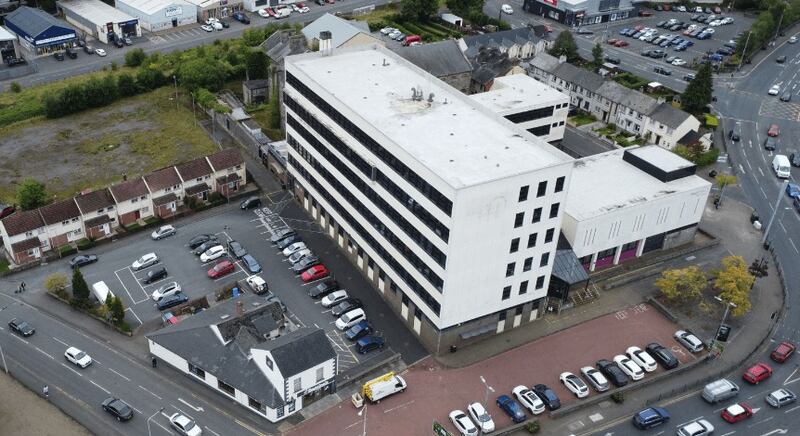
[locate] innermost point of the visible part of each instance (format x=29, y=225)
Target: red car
x=271, y=12
x=220, y=269
x=783, y=352
x=639, y=27
x=757, y=373
x=548, y=29
x=314, y=273
x=612, y=41
x=737, y=412
x=774, y=130
x=621, y=43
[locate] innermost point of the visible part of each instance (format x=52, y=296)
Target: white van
x=781, y=166
x=377, y=389
x=100, y=292
x=720, y=390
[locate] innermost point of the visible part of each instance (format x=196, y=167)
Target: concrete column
x=616, y=255
x=640, y=248
x=593, y=263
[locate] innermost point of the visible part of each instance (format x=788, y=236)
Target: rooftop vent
x=430, y=97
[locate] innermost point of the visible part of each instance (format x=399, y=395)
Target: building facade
x=40, y=33
x=63, y=222
x=133, y=201
x=98, y=213
x=25, y=236
x=98, y=19
x=216, y=8
x=229, y=171
x=582, y=12
x=404, y=180
x=196, y=177
x=166, y=188
x=156, y=15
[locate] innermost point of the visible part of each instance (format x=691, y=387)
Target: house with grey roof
x=63, y=222
x=24, y=235
x=344, y=33
x=98, y=213
x=244, y=349
x=522, y=43
x=443, y=59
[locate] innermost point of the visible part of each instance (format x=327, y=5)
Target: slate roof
x=194, y=340
x=341, y=30
x=164, y=199
x=163, y=178
x=95, y=200
x=34, y=21
x=129, y=189
x=26, y=245
x=441, y=59
x=504, y=38
x=150, y=7
x=299, y=350
x=545, y=62
x=23, y=221
x=60, y=211
x=194, y=168
x=568, y=72
x=97, y=221
x=198, y=188
x=221, y=160
x=284, y=43
x=668, y=115
x=627, y=97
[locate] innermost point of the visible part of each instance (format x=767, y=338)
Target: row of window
x=519, y=218
x=526, y=266
x=534, y=114
x=362, y=186
x=404, y=171
x=387, y=258
x=541, y=189
x=368, y=170
x=523, y=288
x=365, y=211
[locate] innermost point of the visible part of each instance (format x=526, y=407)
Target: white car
x=574, y=384
x=780, y=398
x=294, y=248
x=300, y=10
x=77, y=357
x=213, y=253
x=462, y=422
x=507, y=9
x=100, y=52
x=334, y=298
x=184, y=425
x=297, y=255
x=698, y=9
x=211, y=20
x=689, y=340
x=393, y=34
x=792, y=40
x=257, y=284
x=596, y=378
x=528, y=399
x=709, y=31
x=479, y=415
x=143, y=262
x=263, y=13
x=162, y=232
x=207, y=28
x=350, y=319
x=679, y=62
x=699, y=427
x=681, y=8
x=715, y=23
x=387, y=30
x=170, y=288
x=774, y=90
x=641, y=358
x=629, y=367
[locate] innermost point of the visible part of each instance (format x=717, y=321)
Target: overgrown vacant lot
x=96, y=147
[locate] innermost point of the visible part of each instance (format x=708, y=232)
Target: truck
x=257, y=284
x=381, y=387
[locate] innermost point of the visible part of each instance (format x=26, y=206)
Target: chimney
x=562, y=59
x=239, y=308
x=325, y=43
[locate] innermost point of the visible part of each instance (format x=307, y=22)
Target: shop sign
x=173, y=11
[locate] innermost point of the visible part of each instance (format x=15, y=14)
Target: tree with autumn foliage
x=734, y=283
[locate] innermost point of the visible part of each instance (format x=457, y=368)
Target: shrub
x=618, y=397
x=55, y=282
x=67, y=250
x=135, y=57
x=151, y=220
x=3, y=266
x=85, y=244
x=215, y=197
x=133, y=227
x=16, y=87
x=191, y=202
x=533, y=426
x=114, y=66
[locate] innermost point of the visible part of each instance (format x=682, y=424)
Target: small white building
x=624, y=203
x=155, y=15
x=99, y=20
x=534, y=106
x=24, y=236
x=98, y=212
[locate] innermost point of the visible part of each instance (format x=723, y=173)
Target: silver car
x=166, y=290
x=595, y=378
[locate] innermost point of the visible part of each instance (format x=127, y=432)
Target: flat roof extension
x=516, y=92
x=96, y=11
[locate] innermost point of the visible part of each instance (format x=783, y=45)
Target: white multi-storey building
x=451, y=210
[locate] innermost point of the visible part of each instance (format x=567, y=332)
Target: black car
x=118, y=409
x=794, y=159
x=21, y=327
x=200, y=240
x=662, y=355
x=154, y=274
x=305, y=263
x=241, y=17
x=281, y=234
x=172, y=300
x=662, y=70
x=369, y=343
x=88, y=49
x=250, y=203
x=118, y=42
x=15, y=62
x=205, y=246
x=83, y=259
x=771, y=143
x=787, y=96
x=585, y=32
x=345, y=306
x=612, y=372
x=225, y=24
x=780, y=59
x=661, y=23
x=289, y=240
x=358, y=331
x=59, y=55
x=548, y=396
x=323, y=289
x=613, y=60
x=236, y=249
x=72, y=53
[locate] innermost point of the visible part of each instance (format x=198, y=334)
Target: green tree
x=275, y=110
x=135, y=57
x=698, y=93
x=253, y=37
x=148, y=78
x=418, y=10
x=723, y=180
x=116, y=309
x=31, y=194
x=734, y=282
x=126, y=85
x=15, y=87
x=80, y=290
x=201, y=73
x=565, y=45
x=597, y=56
x=55, y=283
x=257, y=64
x=682, y=285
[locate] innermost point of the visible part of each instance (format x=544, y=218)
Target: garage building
x=8, y=44
x=99, y=20
x=39, y=32
x=155, y=15
x=216, y=8
x=581, y=12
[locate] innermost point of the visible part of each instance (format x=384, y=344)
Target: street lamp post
x=728, y=306
x=5, y=366
x=775, y=210
x=486, y=393
x=175, y=81
x=149, y=433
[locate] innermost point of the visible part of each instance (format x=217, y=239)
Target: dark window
x=418, y=314
x=545, y=259
x=514, y=245
x=510, y=269
x=548, y=237
x=518, y=219
x=253, y=403
x=560, y=184
x=523, y=287
x=606, y=253
x=523, y=193
x=405, y=300
x=527, y=265
x=537, y=215
x=554, y=210
x=629, y=246
x=518, y=310
x=530, y=115
x=224, y=387
x=506, y=293
x=542, y=189
x=197, y=371
x=532, y=239
x=539, y=282
x=540, y=131
x=503, y=315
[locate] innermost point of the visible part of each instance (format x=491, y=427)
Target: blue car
x=359, y=330
x=624, y=31
x=511, y=407
x=793, y=190
x=369, y=343
x=650, y=417
x=251, y=263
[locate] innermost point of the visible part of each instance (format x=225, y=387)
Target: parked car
x=757, y=373
x=201, y=239
x=77, y=357
x=154, y=275
x=662, y=355
x=641, y=358
x=770, y=143
x=222, y=268
x=250, y=203
x=612, y=372
x=595, y=378
x=481, y=417
x=358, y=331
x=334, y=298
x=345, y=306
x=794, y=159
x=281, y=234
x=241, y=17
x=71, y=53
x=621, y=44
x=82, y=260
x=21, y=327
x=689, y=340
x=305, y=263
x=528, y=399
x=574, y=384
x=166, y=290
x=15, y=62
x=787, y=96
x=511, y=407
x=323, y=289
x=650, y=417
x=213, y=253
x=185, y=426
x=629, y=367
x=251, y=264
x=780, y=398
x=699, y=427
x=59, y=55
x=737, y=412
x=163, y=232
x=774, y=90
x=548, y=396
x=783, y=352
x=236, y=249
x=316, y=272
x=100, y=52
x=774, y=130
x=257, y=284
x=118, y=409
x=287, y=241
x=792, y=190
x=461, y=421
x=350, y=319
x=145, y=261
x=202, y=248
x=780, y=59
x=88, y=49
x=172, y=300
x=369, y=343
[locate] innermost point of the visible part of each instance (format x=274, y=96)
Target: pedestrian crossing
x=780, y=109
x=184, y=35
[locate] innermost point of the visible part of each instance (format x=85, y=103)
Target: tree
x=31, y=194
x=682, y=285
x=597, y=56
x=148, y=78
x=55, y=283
x=565, y=45
x=275, y=114
x=135, y=57
x=126, y=85
x=80, y=290
x=723, y=180
x=418, y=10
x=734, y=282
x=257, y=64
x=698, y=93
x=201, y=73
x=116, y=309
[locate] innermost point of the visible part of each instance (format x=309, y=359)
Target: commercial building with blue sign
x=582, y=12
x=99, y=20
x=155, y=15
x=39, y=32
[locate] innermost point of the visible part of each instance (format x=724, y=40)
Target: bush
x=707, y=158
x=85, y=244
x=215, y=197
x=55, y=282
x=67, y=250
x=133, y=227
x=191, y=202
x=3, y=266
x=16, y=87
x=533, y=426
x=618, y=397
x=152, y=220
x=135, y=57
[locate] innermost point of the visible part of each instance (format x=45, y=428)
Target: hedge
x=133, y=227
x=85, y=244
x=67, y=250
x=151, y=220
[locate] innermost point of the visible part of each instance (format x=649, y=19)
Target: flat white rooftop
x=456, y=138
x=517, y=92
x=604, y=183
x=96, y=11
x=661, y=158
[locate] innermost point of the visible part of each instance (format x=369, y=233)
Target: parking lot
x=434, y=391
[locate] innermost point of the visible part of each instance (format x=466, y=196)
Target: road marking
x=71, y=369
x=134, y=314
x=196, y=409
x=761, y=171
x=137, y=410
x=246, y=426
x=786, y=382
x=794, y=246
x=793, y=408
x=23, y=340
x=759, y=393
x=101, y=388
x=150, y=392
x=729, y=433
x=115, y=372
x=62, y=342
x=760, y=422
x=777, y=430
x=45, y=353
x=212, y=431
x=116, y=273
x=691, y=420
